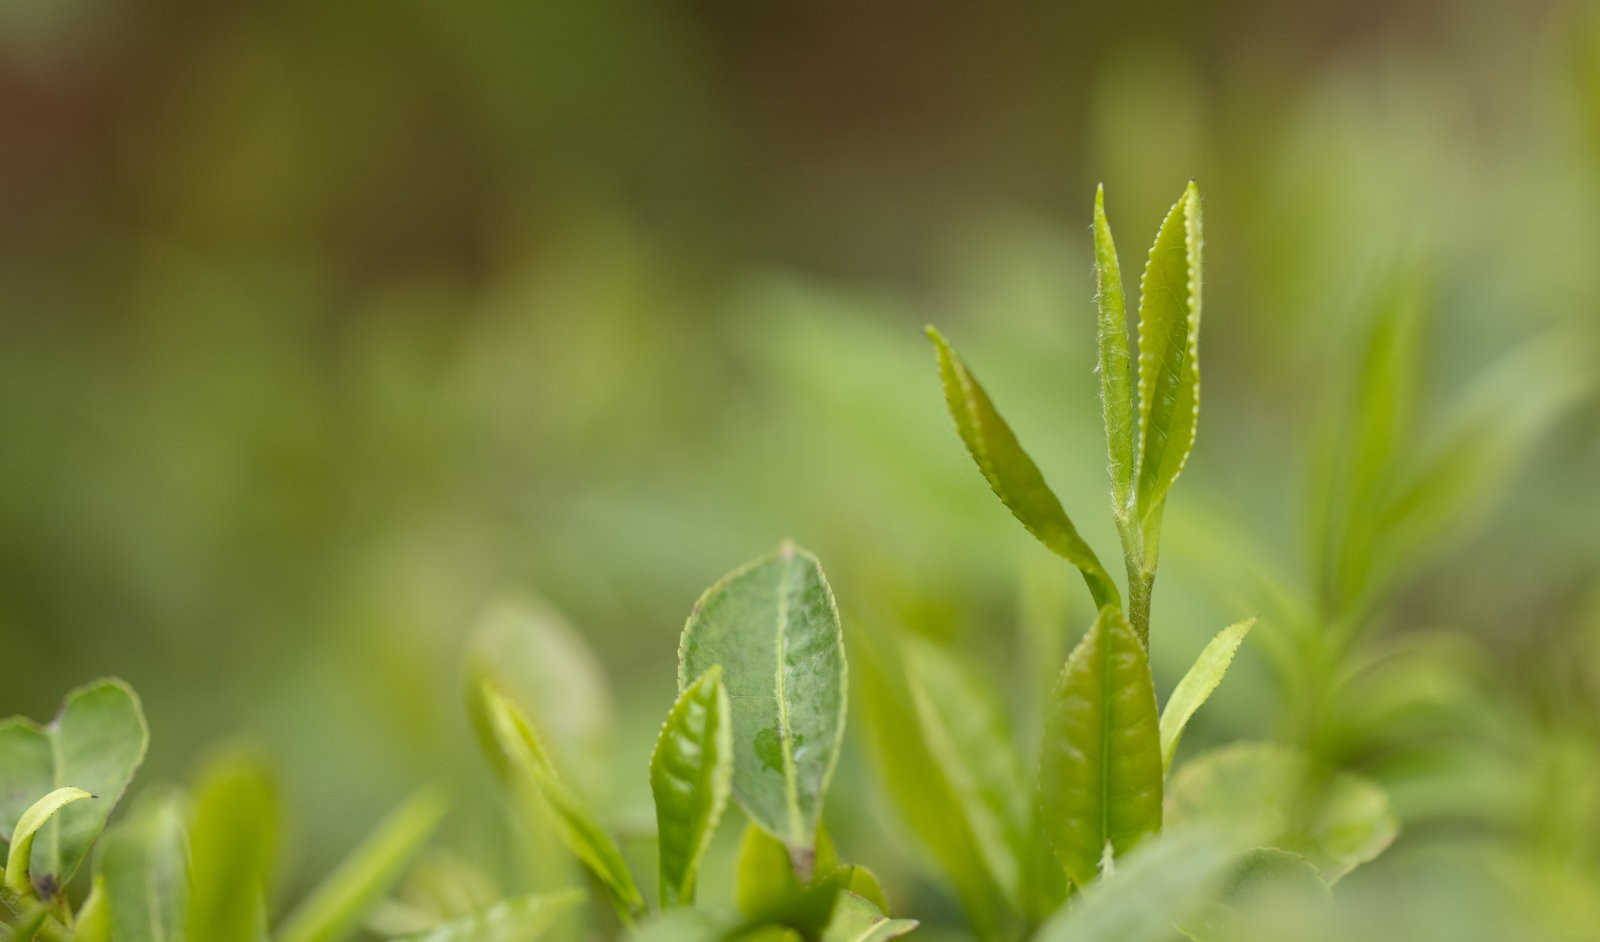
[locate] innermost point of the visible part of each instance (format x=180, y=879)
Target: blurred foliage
x=327, y=327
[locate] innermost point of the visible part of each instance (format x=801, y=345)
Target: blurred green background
x=325, y=325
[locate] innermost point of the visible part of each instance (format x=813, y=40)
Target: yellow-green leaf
x=1115, y=363
x=858, y=919
x=1196, y=686
x=536, y=778
x=335, y=908
x=690, y=774
x=1169, y=364
x=1012, y=475
x=233, y=836
x=1100, y=768
x=22, y=836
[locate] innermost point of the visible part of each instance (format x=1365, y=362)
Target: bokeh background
x=324, y=326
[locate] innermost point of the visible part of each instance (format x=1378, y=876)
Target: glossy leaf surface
x=96, y=743
x=774, y=628
x=1169, y=365
x=537, y=778
x=691, y=773
x=1012, y=475
x=1115, y=363
x=1198, y=684
x=1100, y=768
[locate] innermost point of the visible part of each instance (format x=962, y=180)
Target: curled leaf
x=690, y=775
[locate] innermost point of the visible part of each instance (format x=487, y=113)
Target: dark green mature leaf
x=22, y=836
x=233, y=837
x=968, y=734
x=1115, y=363
x=96, y=743
x=1163, y=882
x=536, y=778
x=523, y=919
x=1169, y=358
x=690, y=774
x=923, y=797
x=1197, y=685
x=1012, y=474
x=1100, y=769
x=1336, y=821
x=774, y=628
x=857, y=919
x=143, y=865
x=334, y=909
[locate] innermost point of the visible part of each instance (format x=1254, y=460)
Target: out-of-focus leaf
x=334, y=909
x=28, y=825
x=233, y=838
x=1357, y=460
x=31, y=922
x=523, y=919
x=690, y=773
x=773, y=626
x=96, y=743
x=144, y=866
x=857, y=919
x=920, y=790
x=1163, y=882
x=534, y=774
x=441, y=887
x=684, y=924
x=1263, y=878
x=1197, y=685
x=1100, y=768
x=1115, y=363
x=1480, y=443
x=967, y=733
x=1169, y=353
x=530, y=653
x=1012, y=474
x=93, y=922
x=1275, y=794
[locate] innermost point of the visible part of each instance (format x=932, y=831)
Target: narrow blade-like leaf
x=1100, y=769
x=142, y=864
x=691, y=772
x=1115, y=363
x=233, y=836
x=1012, y=474
x=524, y=919
x=927, y=804
x=1169, y=364
x=1196, y=686
x=774, y=628
x=537, y=778
x=96, y=743
x=968, y=734
x=22, y=836
x=335, y=908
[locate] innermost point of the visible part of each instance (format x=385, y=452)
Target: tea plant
x=1016, y=849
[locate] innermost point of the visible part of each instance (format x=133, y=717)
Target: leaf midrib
x=785, y=731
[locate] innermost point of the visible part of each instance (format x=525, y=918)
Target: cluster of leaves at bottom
x=760, y=718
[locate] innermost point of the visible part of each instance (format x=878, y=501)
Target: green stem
x=1140, y=580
